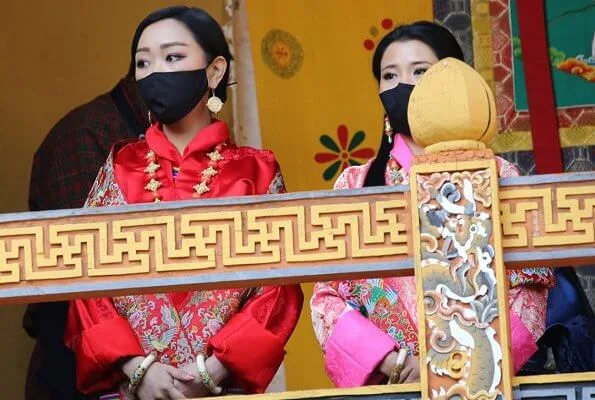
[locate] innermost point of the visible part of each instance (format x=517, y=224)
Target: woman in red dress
x=181, y=345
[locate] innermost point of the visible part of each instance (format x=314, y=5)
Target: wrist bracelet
x=399, y=366
x=205, y=377
x=140, y=372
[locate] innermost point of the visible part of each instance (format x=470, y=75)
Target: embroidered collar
x=204, y=141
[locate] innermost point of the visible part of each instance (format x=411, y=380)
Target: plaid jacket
x=67, y=162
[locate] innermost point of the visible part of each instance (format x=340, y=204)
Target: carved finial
x=452, y=108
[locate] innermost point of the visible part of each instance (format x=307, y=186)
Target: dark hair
x=206, y=31
x=441, y=41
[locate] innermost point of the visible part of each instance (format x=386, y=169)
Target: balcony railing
x=303, y=237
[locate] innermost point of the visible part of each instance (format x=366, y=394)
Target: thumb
x=178, y=374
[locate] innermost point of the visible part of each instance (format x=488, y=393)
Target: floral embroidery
x=178, y=334
x=379, y=301
x=105, y=191
x=532, y=276
x=277, y=184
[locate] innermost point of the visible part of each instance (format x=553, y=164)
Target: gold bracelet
x=395, y=374
x=399, y=366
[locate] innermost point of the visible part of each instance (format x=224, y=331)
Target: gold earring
x=388, y=129
x=214, y=104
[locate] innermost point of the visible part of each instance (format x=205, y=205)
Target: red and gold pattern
x=179, y=326
x=578, y=68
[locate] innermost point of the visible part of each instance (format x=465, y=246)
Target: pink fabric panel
x=354, y=350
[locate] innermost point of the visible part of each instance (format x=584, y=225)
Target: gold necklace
x=205, y=175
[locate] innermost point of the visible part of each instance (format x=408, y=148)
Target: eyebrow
x=413, y=63
x=163, y=46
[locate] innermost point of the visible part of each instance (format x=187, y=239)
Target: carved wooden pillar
x=463, y=318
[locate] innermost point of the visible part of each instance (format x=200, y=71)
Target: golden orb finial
x=452, y=108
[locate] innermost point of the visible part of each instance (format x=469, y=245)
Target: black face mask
x=395, y=102
x=170, y=96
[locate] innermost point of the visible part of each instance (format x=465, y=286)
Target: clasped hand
x=165, y=382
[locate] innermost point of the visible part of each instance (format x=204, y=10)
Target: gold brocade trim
x=482, y=40
x=576, y=136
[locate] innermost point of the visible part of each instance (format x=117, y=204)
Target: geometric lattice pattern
x=576, y=159
x=456, y=16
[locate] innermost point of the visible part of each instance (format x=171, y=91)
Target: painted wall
x=318, y=107
x=55, y=55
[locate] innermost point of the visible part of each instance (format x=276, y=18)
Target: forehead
x=407, y=52
x=166, y=31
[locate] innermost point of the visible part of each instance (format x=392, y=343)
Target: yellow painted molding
x=407, y=388
x=577, y=136
x=554, y=378
x=313, y=394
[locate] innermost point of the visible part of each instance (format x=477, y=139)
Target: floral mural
x=342, y=152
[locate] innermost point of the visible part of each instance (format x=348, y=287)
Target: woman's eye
x=141, y=64
x=420, y=71
x=173, y=57
x=388, y=76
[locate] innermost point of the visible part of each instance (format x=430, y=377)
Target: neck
x=181, y=133
x=415, y=148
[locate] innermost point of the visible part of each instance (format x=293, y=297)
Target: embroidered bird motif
x=161, y=341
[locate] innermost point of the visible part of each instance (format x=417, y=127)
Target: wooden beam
x=278, y=239
x=373, y=390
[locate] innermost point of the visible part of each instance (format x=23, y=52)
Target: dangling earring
x=150, y=118
x=388, y=129
x=214, y=104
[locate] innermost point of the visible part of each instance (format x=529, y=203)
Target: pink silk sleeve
x=326, y=306
x=506, y=169
x=523, y=344
x=353, y=346
x=354, y=350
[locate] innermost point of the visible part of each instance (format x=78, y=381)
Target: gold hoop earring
x=388, y=129
x=214, y=104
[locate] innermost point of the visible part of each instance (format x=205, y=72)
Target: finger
x=187, y=389
x=411, y=377
x=404, y=374
x=178, y=374
x=175, y=394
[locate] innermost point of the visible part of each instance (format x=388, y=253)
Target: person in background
x=64, y=168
